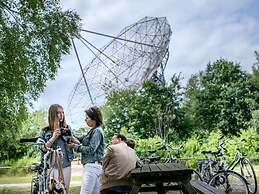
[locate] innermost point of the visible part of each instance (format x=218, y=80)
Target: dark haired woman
x=91, y=148
x=53, y=138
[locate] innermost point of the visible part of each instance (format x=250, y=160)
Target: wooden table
x=161, y=178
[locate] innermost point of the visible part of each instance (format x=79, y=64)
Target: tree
x=31, y=127
x=34, y=34
x=115, y=110
x=155, y=109
x=255, y=70
x=255, y=79
x=221, y=97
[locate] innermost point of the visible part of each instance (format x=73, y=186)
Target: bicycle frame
x=41, y=180
x=237, y=160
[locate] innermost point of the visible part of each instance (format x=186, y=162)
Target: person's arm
x=107, y=157
x=79, y=138
x=55, y=135
x=92, y=146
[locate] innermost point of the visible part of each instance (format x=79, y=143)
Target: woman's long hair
x=53, y=118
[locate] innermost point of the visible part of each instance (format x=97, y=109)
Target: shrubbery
x=247, y=142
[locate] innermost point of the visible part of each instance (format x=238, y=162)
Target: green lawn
x=26, y=190
x=26, y=179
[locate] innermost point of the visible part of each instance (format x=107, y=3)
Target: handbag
x=57, y=186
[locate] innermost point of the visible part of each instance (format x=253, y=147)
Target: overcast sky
x=202, y=31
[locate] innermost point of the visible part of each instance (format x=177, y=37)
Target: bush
x=18, y=167
x=143, y=145
x=255, y=120
x=247, y=142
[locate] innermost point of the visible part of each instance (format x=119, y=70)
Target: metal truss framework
x=139, y=52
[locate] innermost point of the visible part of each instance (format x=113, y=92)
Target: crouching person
x=118, y=161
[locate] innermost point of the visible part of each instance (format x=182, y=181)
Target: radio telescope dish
x=139, y=52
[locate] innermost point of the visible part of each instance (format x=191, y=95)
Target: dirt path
x=77, y=169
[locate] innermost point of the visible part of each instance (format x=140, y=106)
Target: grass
x=26, y=190
x=26, y=179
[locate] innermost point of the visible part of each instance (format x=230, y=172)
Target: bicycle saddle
x=210, y=152
x=154, y=159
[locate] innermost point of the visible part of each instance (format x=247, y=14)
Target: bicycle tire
x=34, y=185
x=230, y=182
x=247, y=171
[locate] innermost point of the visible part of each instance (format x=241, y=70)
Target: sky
x=202, y=32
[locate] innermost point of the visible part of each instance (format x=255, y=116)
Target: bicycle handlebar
x=28, y=139
x=218, y=151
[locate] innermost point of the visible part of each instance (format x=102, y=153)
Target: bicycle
x=208, y=166
x=40, y=183
x=154, y=158
x=243, y=166
x=173, y=155
x=213, y=172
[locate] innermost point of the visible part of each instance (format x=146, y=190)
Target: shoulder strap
x=58, y=163
x=59, y=167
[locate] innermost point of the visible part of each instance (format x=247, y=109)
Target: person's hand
x=56, y=134
x=71, y=145
x=74, y=140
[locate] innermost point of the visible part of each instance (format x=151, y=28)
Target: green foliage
x=143, y=145
x=247, y=142
x=33, y=35
x=255, y=120
x=19, y=167
x=255, y=70
x=221, y=97
x=115, y=111
x=31, y=127
x=153, y=110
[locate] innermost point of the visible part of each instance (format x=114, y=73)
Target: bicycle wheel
x=229, y=182
x=34, y=185
x=247, y=171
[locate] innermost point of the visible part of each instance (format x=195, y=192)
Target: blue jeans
x=90, y=181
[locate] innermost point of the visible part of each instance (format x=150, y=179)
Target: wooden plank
x=154, y=168
x=204, y=188
x=176, y=166
x=164, y=167
x=173, y=166
x=145, y=168
x=136, y=170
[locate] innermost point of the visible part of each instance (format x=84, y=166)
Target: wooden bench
x=204, y=188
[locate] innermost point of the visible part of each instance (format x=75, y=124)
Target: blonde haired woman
x=53, y=138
